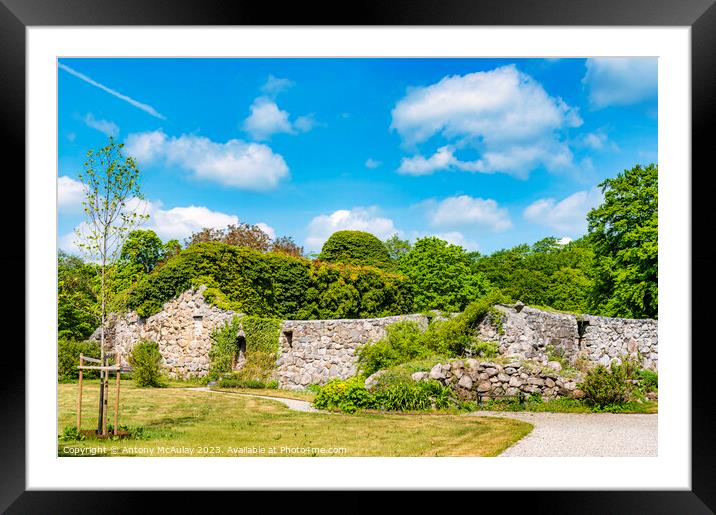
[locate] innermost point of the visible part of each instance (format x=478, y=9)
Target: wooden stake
x=105, y=389
x=116, y=407
x=79, y=398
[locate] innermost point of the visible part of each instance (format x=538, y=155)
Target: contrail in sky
x=144, y=107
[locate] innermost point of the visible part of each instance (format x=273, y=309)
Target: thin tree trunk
x=102, y=373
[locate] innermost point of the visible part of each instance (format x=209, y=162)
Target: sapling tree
x=112, y=200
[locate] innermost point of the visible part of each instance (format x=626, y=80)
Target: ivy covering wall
x=273, y=285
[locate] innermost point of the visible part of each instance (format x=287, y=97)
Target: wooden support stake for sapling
x=116, y=406
x=79, y=397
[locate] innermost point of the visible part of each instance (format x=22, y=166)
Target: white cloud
x=372, y=163
x=173, y=223
x=106, y=127
x=275, y=85
x=564, y=240
x=356, y=219
x=614, y=81
x=568, y=215
x=270, y=232
x=457, y=238
x=418, y=165
x=506, y=115
x=70, y=194
x=139, y=105
x=267, y=118
x=250, y=166
x=466, y=210
x=181, y=222
x=304, y=123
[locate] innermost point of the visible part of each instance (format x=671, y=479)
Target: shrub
x=393, y=392
x=408, y=395
x=68, y=358
x=356, y=248
x=71, y=433
x=272, y=285
x=648, y=381
x=146, y=360
x=347, y=395
x=403, y=342
x=604, y=386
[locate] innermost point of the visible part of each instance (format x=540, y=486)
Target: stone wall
x=182, y=329
x=315, y=351
x=472, y=378
x=311, y=351
x=531, y=333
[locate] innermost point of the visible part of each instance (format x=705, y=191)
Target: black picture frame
x=699, y=15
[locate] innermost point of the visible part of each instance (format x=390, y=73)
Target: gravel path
x=293, y=404
x=583, y=434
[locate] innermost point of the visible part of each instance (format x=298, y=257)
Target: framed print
x=418, y=249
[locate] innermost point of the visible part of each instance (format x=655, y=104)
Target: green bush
x=356, y=248
x=393, y=392
x=403, y=342
x=71, y=433
x=648, y=381
x=68, y=359
x=273, y=285
x=146, y=360
x=604, y=386
x=347, y=395
x=408, y=395
x=453, y=337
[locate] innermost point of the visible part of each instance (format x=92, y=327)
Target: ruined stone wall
x=311, y=351
x=532, y=333
x=315, y=351
x=182, y=329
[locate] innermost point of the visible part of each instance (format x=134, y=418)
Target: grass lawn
x=213, y=424
x=566, y=406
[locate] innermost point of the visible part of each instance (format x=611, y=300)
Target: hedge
x=273, y=285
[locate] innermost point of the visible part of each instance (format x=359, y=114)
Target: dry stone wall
x=472, y=379
x=531, y=333
x=315, y=351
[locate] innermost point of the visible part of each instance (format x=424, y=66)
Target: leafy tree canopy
x=355, y=248
x=442, y=275
x=624, y=232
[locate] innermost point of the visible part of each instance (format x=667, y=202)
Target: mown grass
x=214, y=424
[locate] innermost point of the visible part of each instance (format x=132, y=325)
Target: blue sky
x=486, y=153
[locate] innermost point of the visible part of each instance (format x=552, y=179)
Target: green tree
x=77, y=298
x=111, y=181
x=144, y=248
x=355, y=248
x=397, y=248
x=624, y=233
x=442, y=275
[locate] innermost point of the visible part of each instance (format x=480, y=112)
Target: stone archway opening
x=239, y=357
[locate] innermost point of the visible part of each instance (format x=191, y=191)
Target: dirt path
x=583, y=434
x=293, y=404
